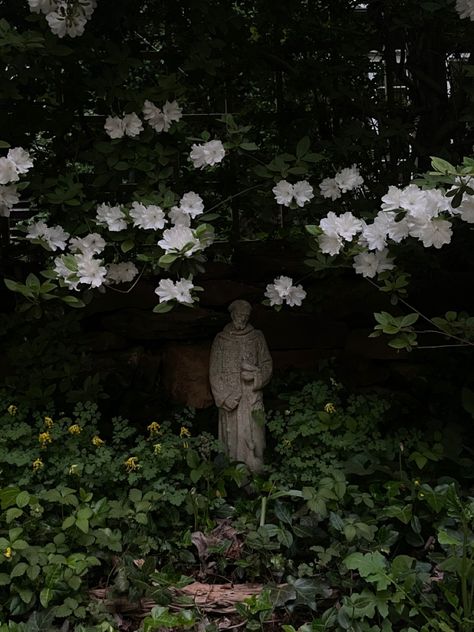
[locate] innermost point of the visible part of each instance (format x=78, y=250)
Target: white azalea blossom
x=344, y=226
x=21, y=159
x=114, y=127
x=179, y=291
x=282, y=290
x=69, y=277
x=283, y=192
x=62, y=24
x=111, y=216
x=92, y=243
x=391, y=201
x=330, y=244
x=209, y=153
x=369, y=264
x=132, y=125
x=149, y=217
x=8, y=198
x=42, y=6
x=191, y=203
x=154, y=116
x=465, y=210
x=171, y=112
x=8, y=171
x=301, y=192
x=178, y=217
x=177, y=238
x=89, y=270
x=329, y=189
x=348, y=179
x=437, y=233
x=55, y=237
x=123, y=272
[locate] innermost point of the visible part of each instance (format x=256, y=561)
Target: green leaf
x=371, y=566
x=162, y=308
x=22, y=499
x=19, y=570
x=4, y=579
x=12, y=513
x=302, y=147
x=83, y=525
x=127, y=245
x=443, y=166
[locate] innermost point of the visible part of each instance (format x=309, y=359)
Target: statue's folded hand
x=231, y=403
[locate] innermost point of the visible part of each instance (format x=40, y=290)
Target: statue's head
x=240, y=313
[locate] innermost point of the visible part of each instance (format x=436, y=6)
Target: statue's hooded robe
x=241, y=432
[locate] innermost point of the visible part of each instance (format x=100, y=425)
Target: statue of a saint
x=240, y=367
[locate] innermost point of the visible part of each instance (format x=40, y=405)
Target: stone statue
x=240, y=367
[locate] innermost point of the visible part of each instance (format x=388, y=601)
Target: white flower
x=8, y=198
x=149, y=217
x=89, y=270
x=330, y=244
x=132, y=125
x=371, y=263
x=92, y=243
x=180, y=291
x=171, y=112
x=283, y=290
x=69, y=276
x=397, y=231
x=62, y=22
x=465, y=8
x=374, y=235
x=344, y=226
x=8, y=171
x=207, y=154
x=112, y=217
x=330, y=189
x=178, y=217
x=43, y=6
x=154, y=116
x=114, y=126
x=466, y=210
x=122, y=272
x=302, y=192
x=283, y=192
x=177, y=238
x=436, y=232
x=191, y=203
x=348, y=179
x=21, y=159
x=391, y=201
x=416, y=203
x=54, y=236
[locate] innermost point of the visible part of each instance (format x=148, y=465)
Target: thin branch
x=231, y=197
x=115, y=289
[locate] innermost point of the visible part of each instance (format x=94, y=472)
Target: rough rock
x=186, y=374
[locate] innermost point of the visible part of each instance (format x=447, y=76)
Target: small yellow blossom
x=8, y=552
x=330, y=408
x=153, y=428
x=12, y=409
x=416, y=483
x=97, y=441
x=37, y=464
x=75, y=429
x=184, y=432
x=44, y=438
x=74, y=469
x=48, y=422
x=287, y=443
x=421, y=495
x=157, y=448
x=131, y=464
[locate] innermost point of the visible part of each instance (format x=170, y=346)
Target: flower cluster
x=465, y=8
x=82, y=266
x=345, y=180
x=424, y=214
x=160, y=119
x=179, y=291
x=282, y=291
x=17, y=162
x=51, y=237
x=65, y=17
x=209, y=153
x=129, y=125
x=300, y=192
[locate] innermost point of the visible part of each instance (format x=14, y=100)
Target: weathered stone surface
x=186, y=374
x=181, y=323
x=104, y=341
x=288, y=359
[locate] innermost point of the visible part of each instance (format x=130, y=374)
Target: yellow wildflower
x=75, y=429
x=153, y=428
x=74, y=469
x=44, y=438
x=416, y=482
x=97, y=441
x=184, y=432
x=131, y=464
x=330, y=408
x=48, y=422
x=287, y=443
x=12, y=409
x=8, y=552
x=157, y=448
x=37, y=464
